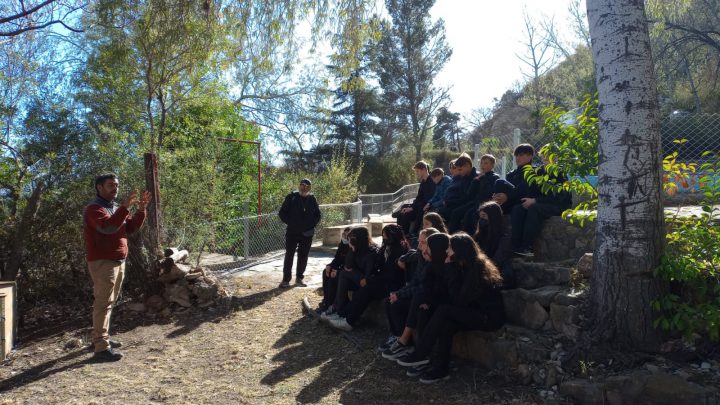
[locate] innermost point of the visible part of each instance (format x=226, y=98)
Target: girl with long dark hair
x=476, y=304
x=331, y=272
x=489, y=228
x=434, y=252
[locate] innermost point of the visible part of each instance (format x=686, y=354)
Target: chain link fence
x=700, y=132
x=240, y=242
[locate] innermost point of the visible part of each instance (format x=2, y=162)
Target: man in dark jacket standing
x=301, y=212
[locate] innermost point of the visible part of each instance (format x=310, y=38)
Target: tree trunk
x=22, y=231
x=630, y=229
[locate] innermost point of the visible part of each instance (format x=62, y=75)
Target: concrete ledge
x=333, y=234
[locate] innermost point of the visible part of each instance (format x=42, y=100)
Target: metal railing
x=383, y=204
x=243, y=241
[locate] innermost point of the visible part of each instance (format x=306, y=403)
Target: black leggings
x=329, y=286
x=361, y=300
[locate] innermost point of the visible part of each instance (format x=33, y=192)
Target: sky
x=486, y=37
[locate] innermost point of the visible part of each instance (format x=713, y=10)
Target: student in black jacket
x=509, y=192
x=528, y=216
x=361, y=263
x=376, y=284
x=424, y=295
x=397, y=305
x=474, y=285
x=411, y=214
x=480, y=190
x=330, y=274
x=456, y=194
x=301, y=212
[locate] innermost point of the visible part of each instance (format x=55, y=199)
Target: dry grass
x=261, y=349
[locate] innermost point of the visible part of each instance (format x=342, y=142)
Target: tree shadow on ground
x=194, y=319
x=340, y=356
x=470, y=383
x=46, y=369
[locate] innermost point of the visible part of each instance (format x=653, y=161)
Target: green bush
x=691, y=264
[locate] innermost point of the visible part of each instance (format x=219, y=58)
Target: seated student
x=410, y=214
x=489, y=228
x=456, y=194
x=493, y=239
x=434, y=220
x=510, y=191
x=330, y=274
x=426, y=296
x=376, y=284
x=527, y=217
x=397, y=304
x=477, y=304
x=360, y=263
x=441, y=184
x=480, y=190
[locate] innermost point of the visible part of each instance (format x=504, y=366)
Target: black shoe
x=396, y=350
x=417, y=371
x=434, y=376
x=284, y=284
x=412, y=360
x=388, y=342
x=114, y=344
x=107, y=355
x=299, y=283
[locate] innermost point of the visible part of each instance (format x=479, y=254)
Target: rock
x=565, y=320
x=584, y=265
x=486, y=348
x=545, y=295
x=204, y=292
x=522, y=308
x=529, y=275
x=524, y=373
x=705, y=365
x=73, y=343
x=571, y=297
x=582, y=392
x=652, y=368
x=155, y=303
x=671, y=390
x=551, y=377
x=136, y=307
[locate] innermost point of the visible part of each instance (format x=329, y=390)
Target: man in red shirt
x=106, y=226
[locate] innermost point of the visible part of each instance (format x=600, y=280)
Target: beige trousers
x=107, y=278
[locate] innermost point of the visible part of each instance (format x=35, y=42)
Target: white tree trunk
x=630, y=230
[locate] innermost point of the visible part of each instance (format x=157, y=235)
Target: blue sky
x=486, y=37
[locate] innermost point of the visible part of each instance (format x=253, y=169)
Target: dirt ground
x=260, y=348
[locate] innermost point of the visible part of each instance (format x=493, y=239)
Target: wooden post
x=154, y=214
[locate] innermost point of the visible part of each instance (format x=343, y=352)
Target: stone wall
x=561, y=240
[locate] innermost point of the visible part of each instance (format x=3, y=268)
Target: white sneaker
x=341, y=323
x=329, y=317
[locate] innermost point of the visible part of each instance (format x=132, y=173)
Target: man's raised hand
x=130, y=200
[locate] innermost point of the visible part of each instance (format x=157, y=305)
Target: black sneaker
x=417, y=371
x=114, y=344
x=388, y=342
x=299, y=283
x=412, y=360
x=107, y=355
x=434, y=376
x=284, y=284
x=396, y=350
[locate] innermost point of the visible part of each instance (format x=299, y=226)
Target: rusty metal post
x=154, y=214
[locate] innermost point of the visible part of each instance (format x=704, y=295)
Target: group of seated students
x=451, y=281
